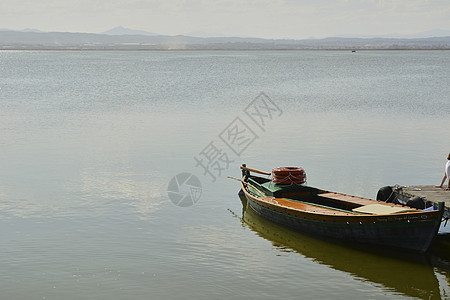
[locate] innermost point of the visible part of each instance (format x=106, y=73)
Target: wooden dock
x=430, y=193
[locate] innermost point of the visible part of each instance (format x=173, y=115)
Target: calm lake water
x=90, y=140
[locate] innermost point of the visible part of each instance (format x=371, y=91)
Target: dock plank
x=430, y=193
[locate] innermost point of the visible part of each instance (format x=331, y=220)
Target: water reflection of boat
x=412, y=275
x=286, y=200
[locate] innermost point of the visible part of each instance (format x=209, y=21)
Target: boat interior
x=309, y=195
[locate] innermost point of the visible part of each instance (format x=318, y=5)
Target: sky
x=293, y=19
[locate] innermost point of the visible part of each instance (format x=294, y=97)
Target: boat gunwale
x=350, y=199
x=337, y=216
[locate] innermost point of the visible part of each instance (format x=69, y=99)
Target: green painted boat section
x=271, y=189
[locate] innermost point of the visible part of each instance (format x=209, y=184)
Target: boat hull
x=408, y=234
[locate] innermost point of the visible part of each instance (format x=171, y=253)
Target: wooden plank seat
x=307, y=207
x=351, y=200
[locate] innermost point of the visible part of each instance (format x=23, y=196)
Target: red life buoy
x=289, y=175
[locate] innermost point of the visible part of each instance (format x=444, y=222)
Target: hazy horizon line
x=205, y=34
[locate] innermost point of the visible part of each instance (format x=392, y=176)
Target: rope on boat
x=261, y=193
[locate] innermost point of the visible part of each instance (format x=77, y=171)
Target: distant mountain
x=419, y=35
x=66, y=40
x=31, y=30
x=119, y=30
x=23, y=30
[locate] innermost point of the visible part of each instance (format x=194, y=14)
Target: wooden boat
x=320, y=212
x=383, y=268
